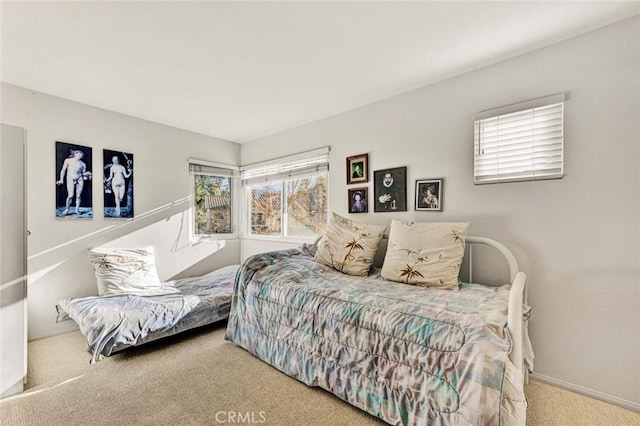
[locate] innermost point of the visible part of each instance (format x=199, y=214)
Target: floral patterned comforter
x=405, y=354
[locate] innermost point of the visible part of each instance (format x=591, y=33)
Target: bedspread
x=405, y=354
x=112, y=323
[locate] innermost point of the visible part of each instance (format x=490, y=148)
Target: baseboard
x=14, y=389
x=588, y=392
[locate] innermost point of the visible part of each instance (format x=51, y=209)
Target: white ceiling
x=244, y=70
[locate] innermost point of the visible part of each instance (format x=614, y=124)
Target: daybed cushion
x=115, y=322
x=127, y=271
x=349, y=246
x=427, y=254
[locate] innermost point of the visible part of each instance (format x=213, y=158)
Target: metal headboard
x=509, y=257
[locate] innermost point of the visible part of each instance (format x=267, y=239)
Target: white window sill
x=280, y=239
x=198, y=239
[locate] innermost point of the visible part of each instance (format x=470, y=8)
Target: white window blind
x=202, y=167
x=523, y=141
x=298, y=165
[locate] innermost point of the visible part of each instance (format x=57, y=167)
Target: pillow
x=127, y=271
x=349, y=246
x=425, y=254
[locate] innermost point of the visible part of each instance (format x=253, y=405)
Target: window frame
x=530, y=173
x=282, y=237
x=228, y=171
x=322, y=169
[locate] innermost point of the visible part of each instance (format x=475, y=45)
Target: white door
x=13, y=282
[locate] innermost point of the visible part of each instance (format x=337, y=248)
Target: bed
x=114, y=323
x=405, y=354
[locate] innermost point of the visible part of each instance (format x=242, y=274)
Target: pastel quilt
x=405, y=354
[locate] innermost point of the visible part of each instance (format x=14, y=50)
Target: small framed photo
x=429, y=194
x=358, y=200
x=390, y=190
x=358, y=169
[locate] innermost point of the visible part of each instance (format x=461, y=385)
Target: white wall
x=578, y=238
x=255, y=246
x=58, y=264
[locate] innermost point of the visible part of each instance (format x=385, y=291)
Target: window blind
x=523, y=141
x=202, y=167
x=298, y=165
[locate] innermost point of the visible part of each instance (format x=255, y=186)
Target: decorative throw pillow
x=349, y=246
x=425, y=254
x=127, y=271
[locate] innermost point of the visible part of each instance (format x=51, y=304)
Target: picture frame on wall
x=74, y=198
x=390, y=190
x=117, y=184
x=429, y=194
x=358, y=200
x=358, y=169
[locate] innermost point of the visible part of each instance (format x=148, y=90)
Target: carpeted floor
x=199, y=378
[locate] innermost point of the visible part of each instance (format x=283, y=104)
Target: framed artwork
x=390, y=190
x=358, y=200
x=358, y=169
x=118, y=183
x=73, y=181
x=429, y=194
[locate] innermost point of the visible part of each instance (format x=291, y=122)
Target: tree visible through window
x=212, y=196
x=306, y=206
x=266, y=209
x=304, y=200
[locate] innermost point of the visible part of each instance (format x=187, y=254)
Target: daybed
x=113, y=323
x=403, y=353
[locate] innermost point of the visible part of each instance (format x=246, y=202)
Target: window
x=520, y=142
x=266, y=208
x=213, y=198
x=288, y=197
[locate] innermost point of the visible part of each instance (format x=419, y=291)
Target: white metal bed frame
x=517, y=297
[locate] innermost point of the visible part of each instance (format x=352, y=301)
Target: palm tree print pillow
x=349, y=246
x=425, y=254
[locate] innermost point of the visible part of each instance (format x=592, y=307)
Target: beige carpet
x=198, y=378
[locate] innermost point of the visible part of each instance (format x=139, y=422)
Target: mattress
x=114, y=323
x=405, y=354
